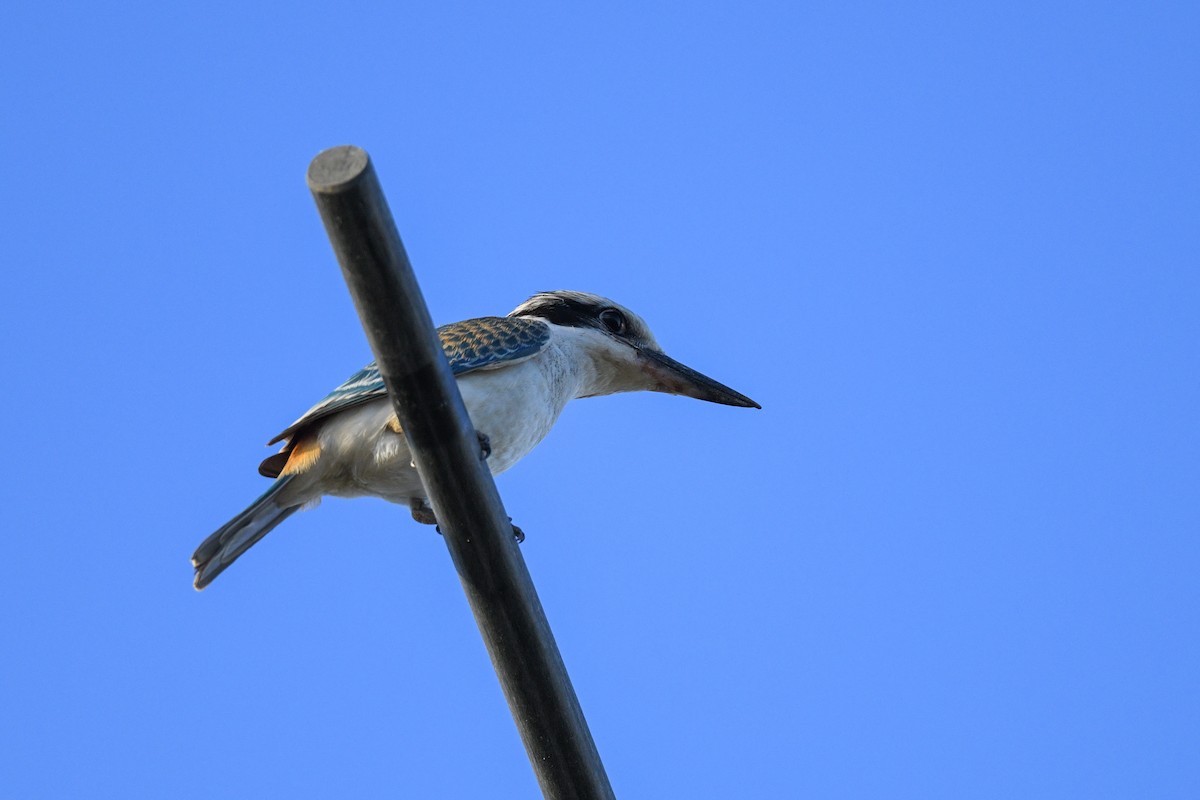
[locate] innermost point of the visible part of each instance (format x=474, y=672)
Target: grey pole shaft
x=460, y=486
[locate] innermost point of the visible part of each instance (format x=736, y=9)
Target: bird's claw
x=485, y=445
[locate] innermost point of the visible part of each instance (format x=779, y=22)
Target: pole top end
x=333, y=170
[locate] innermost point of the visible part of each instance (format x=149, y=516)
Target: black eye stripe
x=562, y=312
x=576, y=314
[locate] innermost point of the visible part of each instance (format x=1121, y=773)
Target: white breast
x=515, y=405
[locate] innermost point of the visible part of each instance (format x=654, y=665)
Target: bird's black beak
x=669, y=376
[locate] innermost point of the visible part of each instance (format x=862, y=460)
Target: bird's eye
x=613, y=321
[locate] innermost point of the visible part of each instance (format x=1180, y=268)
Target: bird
x=516, y=374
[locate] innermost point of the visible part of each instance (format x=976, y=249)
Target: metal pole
x=459, y=484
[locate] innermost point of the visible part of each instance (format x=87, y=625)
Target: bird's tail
x=238, y=535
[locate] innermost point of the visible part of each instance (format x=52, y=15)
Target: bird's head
x=621, y=342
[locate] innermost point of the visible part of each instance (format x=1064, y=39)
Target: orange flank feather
x=302, y=455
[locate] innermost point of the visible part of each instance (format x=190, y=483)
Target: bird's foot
x=421, y=511
x=518, y=534
x=423, y=514
x=485, y=445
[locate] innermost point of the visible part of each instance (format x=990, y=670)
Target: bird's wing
x=470, y=345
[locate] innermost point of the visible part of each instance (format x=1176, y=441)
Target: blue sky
x=952, y=249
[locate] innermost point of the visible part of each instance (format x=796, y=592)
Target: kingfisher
x=515, y=373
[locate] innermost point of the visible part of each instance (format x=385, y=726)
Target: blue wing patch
x=469, y=345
